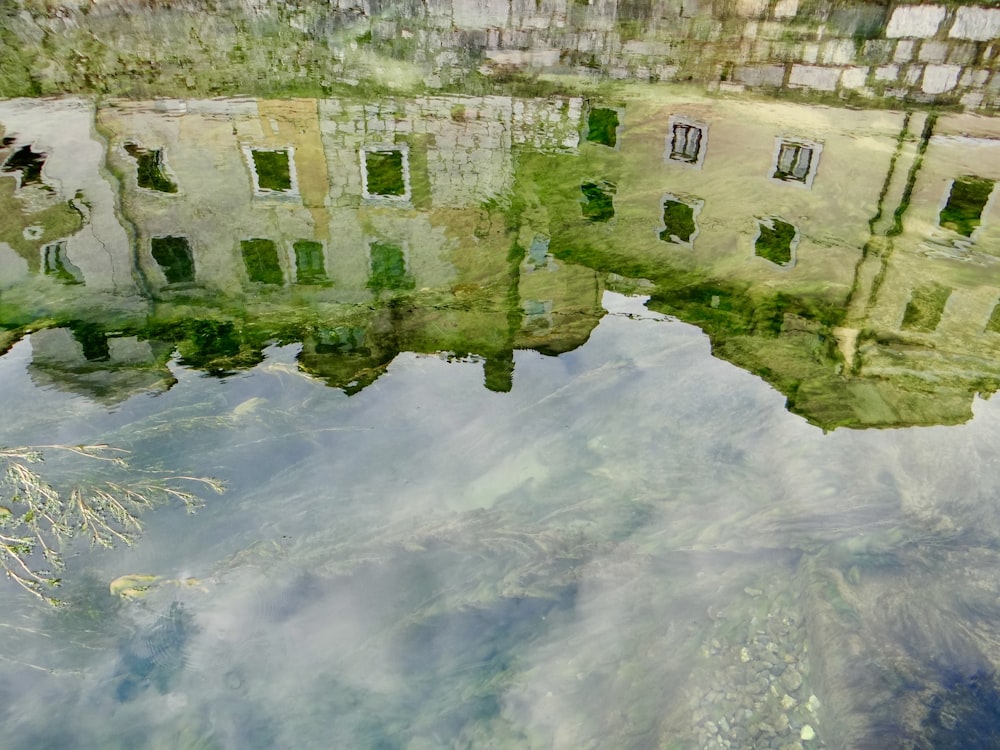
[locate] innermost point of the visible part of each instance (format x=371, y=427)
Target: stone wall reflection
x=844, y=50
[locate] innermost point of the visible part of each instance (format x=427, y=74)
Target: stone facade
x=860, y=52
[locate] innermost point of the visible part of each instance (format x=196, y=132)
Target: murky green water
x=633, y=419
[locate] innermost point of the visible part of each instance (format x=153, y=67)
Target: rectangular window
x=57, y=264
x=273, y=170
x=173, y=255
x=260, y=257
x=598, y=200
x=679, y=225
x=776, y=241
x=388, y=268
x=309, y=265
x=385, y=173
x=150, y=172
x=602, y=126
x=795, y=161
x=966, y=201
x=925, y=308
x=686, y=143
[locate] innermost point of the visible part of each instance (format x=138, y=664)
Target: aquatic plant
x=37, y=519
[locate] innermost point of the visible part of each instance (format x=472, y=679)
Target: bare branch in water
x=36, y=519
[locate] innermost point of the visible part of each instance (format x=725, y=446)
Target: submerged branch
x=36, y=519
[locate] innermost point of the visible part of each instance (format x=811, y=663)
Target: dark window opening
x=273, y=170
x=340, y=340
x=774, y=242
x=926, y=305
x=309, y=265
x=150, y=172
x=388, y=268
x=384, y=172
x=92, y=340
x=678, y=221
x=173, y=255
x=28, y=163
x=685, y=144
x=260, y=257
x=602, y=126
x=794, y=162
x=598, y=200
x=56, y=263
x=965, y=205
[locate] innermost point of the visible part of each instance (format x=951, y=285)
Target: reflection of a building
x=58, y=213
x=838, y=253
x=360, y=230
x=843, y=255
x=926, y=301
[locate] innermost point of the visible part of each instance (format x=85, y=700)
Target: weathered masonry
x=862, y=52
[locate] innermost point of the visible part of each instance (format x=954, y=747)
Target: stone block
x=980, y=77
x=839, y=52
x=760, y=75
x=751, y=8
x=480, y=14
x=877, y=51
x=854, y=77
x=859, y=20
x=904, y=51
x=666, y=72
x=913, y=74
x=810, y=53
x=972, y=100
x=814, y=77
x=770, y=30
x=887, y=73
x=785, y=8
x=940, y=78
x=962, y=53
x=977, y=24
x=933, y=52
x=915, y=21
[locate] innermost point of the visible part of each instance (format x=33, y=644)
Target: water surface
x=533, y=417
